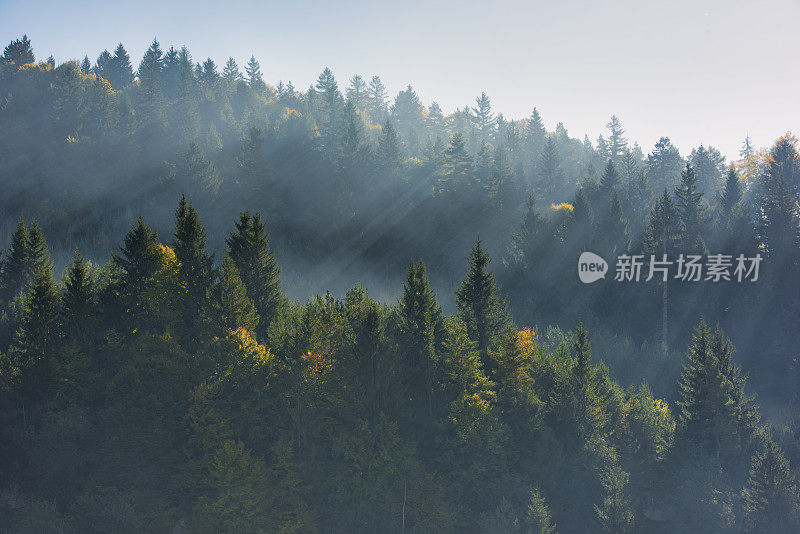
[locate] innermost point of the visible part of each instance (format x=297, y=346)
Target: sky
x=707, y=72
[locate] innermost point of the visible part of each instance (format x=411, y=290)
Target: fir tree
x=485, y=120
x=377, y=95
x=194, y=263
x=419, y=320
x=254, y=76
x=248, y=247
x=389, y=154
x=690, y=208
x=549, y=176
x=537, y=517
x=16, y=270
x=770, y=497
x=19, y=52
x=230, y=73
x=479, y=305
x=229, y=307
x=119, y=70
x=78, y=298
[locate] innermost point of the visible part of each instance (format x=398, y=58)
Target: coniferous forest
x=229, y=304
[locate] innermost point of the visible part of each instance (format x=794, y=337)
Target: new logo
x=591, y=267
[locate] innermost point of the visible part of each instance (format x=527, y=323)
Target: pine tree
x=690, y=209
x=195, y=174
x=78, y=298
x=151, y=65
x=536, y=133
x=229, y=306
x=38, y=254
x=19, y=52
x=485, y=120
x=357, y=93
x=419, y=320
x=609, y=183
x=253, y=168
x=456, y=172
x=119, y=70
x=612, y=228
x=389, y=154
x=617, y=143
x=86, y=65
x=538, y=518
x=138, y=262
x=378, y=97
x=38, y=333
x=747, y=149
x=731, y=193
x=664, y=164
x=709, y=167
x=779, y=202
x=230, y=73
x=483, y=311
x=715, y=414
x=248, y=247
x=195, y=264
x=16, y=271
x=663, y=231
x=254, y=76
x=549, y=176
x=770, y=497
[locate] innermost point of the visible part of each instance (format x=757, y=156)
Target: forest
x=228, y=305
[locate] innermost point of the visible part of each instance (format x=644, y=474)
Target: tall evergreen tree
x=770, y=498
x=194, y=263
x=254, y=76
x=479, y=304
x=550, y=176
x=691, y=210
x=19, y=52
x=78, y=298
x=419, y=321
x=248, y=247
x=484, y=117
x=229, y=307
x=16, y=271
x=119, y=69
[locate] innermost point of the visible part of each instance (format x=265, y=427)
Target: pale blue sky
x=698, y=71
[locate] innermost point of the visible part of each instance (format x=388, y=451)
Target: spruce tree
x=780, y=188
x=377, y=95
x=419, y=320
x=254, y=76
x=229, y=306
x=549, y=177
x=230, y=73
x=138, y=261
x=770, y=498
x=19, y=52
x=78, y=298
x=485, y=120
x=690, y=209
x=538, y=517
x=194, y=263
x=248, y=246
x=16, y=272
x=38, y=334
x=479, y=304
x=389, y=148
x=119, y=70
x=38, y=254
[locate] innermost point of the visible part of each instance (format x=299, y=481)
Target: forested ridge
x=177, y=385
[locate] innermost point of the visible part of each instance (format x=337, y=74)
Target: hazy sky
x=697, y=71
